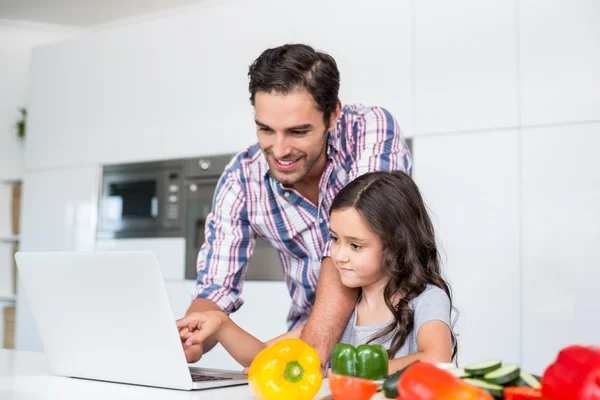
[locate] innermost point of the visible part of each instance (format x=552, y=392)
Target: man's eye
x=264, y=129
x=356, y=246
x=299, y=133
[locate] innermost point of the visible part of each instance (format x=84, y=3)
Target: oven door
x=130, y=204
x=264, y=265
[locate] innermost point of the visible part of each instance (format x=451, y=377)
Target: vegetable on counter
x=344, y=387
x=482, y=368
x=425, y=381
x=365, y=361
x=575, y=375
x=503, y=375
x=289, y=369
x=390, y=384
x=522, y=393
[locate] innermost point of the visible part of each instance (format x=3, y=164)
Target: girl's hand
x=195, y=327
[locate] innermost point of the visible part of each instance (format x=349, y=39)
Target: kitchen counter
x=27, y=375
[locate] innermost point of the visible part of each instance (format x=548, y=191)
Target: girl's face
x=356, y=251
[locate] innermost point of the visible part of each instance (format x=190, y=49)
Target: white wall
x=502, y=99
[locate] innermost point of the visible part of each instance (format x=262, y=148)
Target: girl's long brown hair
x=392, y=206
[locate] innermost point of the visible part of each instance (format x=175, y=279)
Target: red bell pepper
x=522, y=393
x=425, y=381
x=575, y=375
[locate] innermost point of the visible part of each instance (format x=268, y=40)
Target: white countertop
x=27, y=375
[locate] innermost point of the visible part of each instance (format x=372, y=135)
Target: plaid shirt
x=248, y=202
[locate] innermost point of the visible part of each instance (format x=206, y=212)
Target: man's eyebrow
x=300, y=127
x=261, y=124
x=293, y=128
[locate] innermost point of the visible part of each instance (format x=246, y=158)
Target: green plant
x=21, y=123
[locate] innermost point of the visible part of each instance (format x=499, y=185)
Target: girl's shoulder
x=431, y=295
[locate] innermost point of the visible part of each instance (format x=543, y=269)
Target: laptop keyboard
x=197, y=377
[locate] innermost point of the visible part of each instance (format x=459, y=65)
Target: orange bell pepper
x=425, y=381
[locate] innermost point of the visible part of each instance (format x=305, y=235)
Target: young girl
x=382, y=241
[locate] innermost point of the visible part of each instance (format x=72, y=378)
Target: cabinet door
x=58, y=214
x=561, y=238
x=470, y=183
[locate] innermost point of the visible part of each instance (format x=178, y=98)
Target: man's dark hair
x=289, y=67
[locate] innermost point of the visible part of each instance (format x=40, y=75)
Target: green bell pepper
x=365, y=361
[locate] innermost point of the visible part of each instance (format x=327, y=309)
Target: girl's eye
x=333, y=238
x=355, y=246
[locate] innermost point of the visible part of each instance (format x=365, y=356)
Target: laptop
x=106, y=316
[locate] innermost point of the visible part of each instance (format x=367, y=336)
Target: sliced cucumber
x=482, y=368
x=491, y=388
x=528, y=380
x=459, y=372
x=503, y=375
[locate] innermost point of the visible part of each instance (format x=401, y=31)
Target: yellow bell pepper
x=289, y=369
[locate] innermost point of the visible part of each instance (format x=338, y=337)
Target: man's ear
x=335, y=115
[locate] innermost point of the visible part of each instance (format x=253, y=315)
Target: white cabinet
x=169, y=251
x=470, y=182
x=177, y=86
x=465, y=65
x=59, y=213
x=559, y=61
x=561, y=238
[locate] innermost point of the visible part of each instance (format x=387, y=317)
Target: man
x=280, y=189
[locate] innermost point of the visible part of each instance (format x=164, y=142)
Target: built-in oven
x=201, y=178
x=159, y=205
x=142, y=200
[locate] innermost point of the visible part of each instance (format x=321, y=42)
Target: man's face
x=291, y=133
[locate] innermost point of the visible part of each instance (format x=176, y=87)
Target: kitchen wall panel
x=470, y=182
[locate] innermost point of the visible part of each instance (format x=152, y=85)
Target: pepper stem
x=293, y=372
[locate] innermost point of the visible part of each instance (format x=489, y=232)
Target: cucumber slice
x=528, y=380
x=459, y=372
x=493, y=389
x=482, y=368
x=503, y=375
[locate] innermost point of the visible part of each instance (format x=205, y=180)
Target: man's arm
x=222, y=261
x=333, y=307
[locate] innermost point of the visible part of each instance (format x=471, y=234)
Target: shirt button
x=320, y=220
x=287, y=194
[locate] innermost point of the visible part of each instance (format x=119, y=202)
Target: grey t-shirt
x=431, y=305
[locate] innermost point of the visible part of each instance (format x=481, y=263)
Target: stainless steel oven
x=141, y=200
x=169, y=199
x=201, y=178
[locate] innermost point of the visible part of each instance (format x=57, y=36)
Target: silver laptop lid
x=106, y=316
